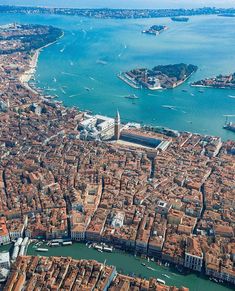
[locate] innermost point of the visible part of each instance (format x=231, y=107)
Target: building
x=193, y=254
x=4, y=234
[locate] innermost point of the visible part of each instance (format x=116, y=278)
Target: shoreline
x=213, y=87
x=28, y=74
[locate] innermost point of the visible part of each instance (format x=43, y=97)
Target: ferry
x=41, y=250
x=132, y=96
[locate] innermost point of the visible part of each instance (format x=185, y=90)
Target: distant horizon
x=122, y=4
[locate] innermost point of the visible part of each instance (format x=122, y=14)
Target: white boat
x=55, y=244
x=160, y=281
x=231, y=96
x=67, y=243
x=150, y=268
x=165, y=275
x=41, y=250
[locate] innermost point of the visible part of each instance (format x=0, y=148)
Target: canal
x=129, y=264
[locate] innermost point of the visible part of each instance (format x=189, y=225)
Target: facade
x=193, y=255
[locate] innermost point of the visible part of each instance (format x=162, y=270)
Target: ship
x=132, y=96
x=180, y=19
x=229, y=126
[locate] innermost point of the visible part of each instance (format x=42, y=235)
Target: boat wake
x=69, y=74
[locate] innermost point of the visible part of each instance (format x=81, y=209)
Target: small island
x=221, y=81
x=155, y=29
x=180, y=19
x=159, y=77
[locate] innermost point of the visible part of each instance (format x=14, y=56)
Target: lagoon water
x=93, y=52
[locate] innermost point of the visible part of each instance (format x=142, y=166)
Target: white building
x=193, y=254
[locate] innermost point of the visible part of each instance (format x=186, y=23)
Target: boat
x=87, y=89
x=229, y=126
x=180, y=19
x=107, y=249
x=143, y=264
x=184, y=90
x=169, y=107
x=67, y=243
x=231, y=96
x=160, y=281
x=41, y=250
x=55, y=244
x=165, y=275
x=200, y=91
x=100, y=251
x=132, y=96
x=150, y=268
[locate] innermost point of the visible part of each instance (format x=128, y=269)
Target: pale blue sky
x=123, y=3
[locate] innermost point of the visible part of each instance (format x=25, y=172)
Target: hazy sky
x=123, y=3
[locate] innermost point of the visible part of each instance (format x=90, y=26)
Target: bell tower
x=117, y=125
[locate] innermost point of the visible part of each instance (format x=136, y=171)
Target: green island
x=159, y=77
x=32, y=37
x=221, y=81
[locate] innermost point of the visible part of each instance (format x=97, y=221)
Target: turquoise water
x=206, y=41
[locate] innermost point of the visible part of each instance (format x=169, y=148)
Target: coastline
x=213, y=87
x=28, y=74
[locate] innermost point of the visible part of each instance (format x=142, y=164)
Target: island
x=155, y=29
x=180, y=19
x=159, y=77
x=221, y=81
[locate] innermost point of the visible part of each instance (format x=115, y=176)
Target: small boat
x=169, y=107
x=100, y=251
x=150, y=268
x=132, y=96
x=143, y=264
x=231, y=96
x=41, y=250
x=87, y=89
x=200, y=91
x=165, y=275
x=184, y=90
